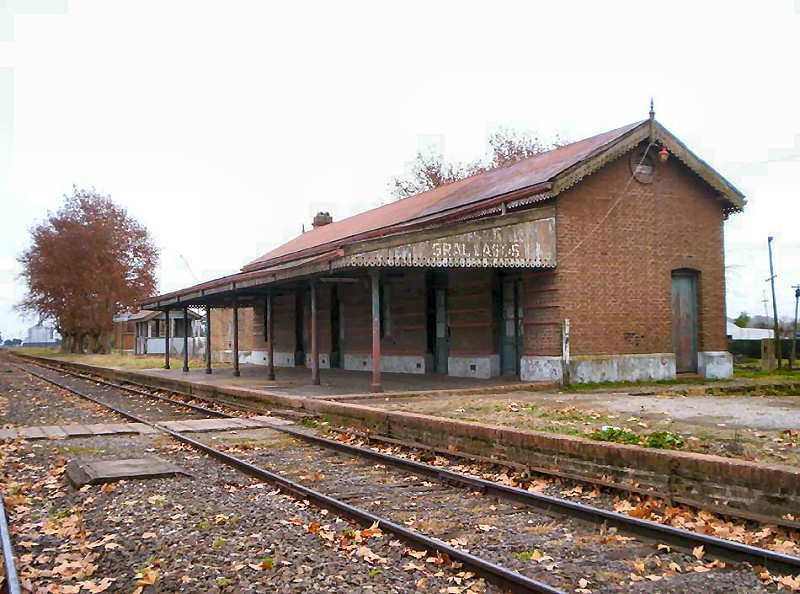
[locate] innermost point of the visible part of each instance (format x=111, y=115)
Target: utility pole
x=774, y=304
x=794, y=334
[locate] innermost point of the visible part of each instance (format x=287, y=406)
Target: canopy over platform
x=503, y=220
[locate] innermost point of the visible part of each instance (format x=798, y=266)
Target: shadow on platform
x=296, y=381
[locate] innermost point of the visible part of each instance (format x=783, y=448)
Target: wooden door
x=684, y=321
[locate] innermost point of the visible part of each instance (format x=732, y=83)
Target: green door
x=509, y=326
x=684, y=321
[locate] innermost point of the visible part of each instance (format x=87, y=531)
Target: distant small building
x=41, y=335
x=736, y=333
x=143, y=332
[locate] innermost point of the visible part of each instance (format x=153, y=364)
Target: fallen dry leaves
x=776, y=538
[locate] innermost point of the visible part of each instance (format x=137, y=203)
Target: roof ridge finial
x=652, y=111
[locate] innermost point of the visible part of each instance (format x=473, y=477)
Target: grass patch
x=560, y=429
x=783, y=388
x=570, y=413
x=589, y=386
x=308, y=422
x=80, y=450
x=120, y=360
x=60, y=514
x=616, y=435
x=471, y=419
x=534, y=555
x=662, y=440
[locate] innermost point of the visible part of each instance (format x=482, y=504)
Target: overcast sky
x=224, y=126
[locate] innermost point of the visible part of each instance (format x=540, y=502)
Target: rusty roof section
x=526, y=173
x=554, y=170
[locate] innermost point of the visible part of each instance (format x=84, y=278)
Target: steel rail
x=12, y=578
x=491, y=571
x=739, y=514
x=679, y=538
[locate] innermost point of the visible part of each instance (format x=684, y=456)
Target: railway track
x=236, y=407
x=11, y=584
x=494, y=573
x=345, y=477
x=340, y=484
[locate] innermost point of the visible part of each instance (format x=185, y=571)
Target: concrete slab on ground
x=76, y=430
x=219, y=424
x=93, y=472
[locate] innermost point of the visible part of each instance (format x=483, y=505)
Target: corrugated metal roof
x=489, y=184
x=459, y=199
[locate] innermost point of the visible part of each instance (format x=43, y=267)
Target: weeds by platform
x=118, y=360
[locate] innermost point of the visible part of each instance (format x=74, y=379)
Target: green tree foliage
x=743, y=320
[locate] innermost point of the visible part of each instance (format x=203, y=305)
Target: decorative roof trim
x=661, y=137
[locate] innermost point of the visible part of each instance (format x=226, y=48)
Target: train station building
x=601, y=260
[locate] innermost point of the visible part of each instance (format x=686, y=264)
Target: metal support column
x=270, y=337
x=166, y=339
x=208, y=339
x=776, y=324
x=375, y=278
x=314, y=337
x=185, y=340
x=235, y=337
x=793, y=358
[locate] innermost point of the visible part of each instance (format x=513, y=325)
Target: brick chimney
x=321, y=219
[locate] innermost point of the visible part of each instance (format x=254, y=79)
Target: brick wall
x=615, y=287
x=542, y=313
x=284, y=306
x=356, y=316
x=404, y=332
x=472, y=312
x=222, y=329
x=613, y=281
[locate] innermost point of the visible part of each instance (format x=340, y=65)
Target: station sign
x=531, y=244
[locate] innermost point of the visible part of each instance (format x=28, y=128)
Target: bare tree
x=430, y=170
x=507, y=146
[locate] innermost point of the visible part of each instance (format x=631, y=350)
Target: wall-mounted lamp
x=663, y=154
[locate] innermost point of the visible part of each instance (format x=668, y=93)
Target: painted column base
x=540, y=369
x=389, y=363
x=601, y=368
x=480, y=367
x=715, y=364
x=324, y=360
x=255, y=358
